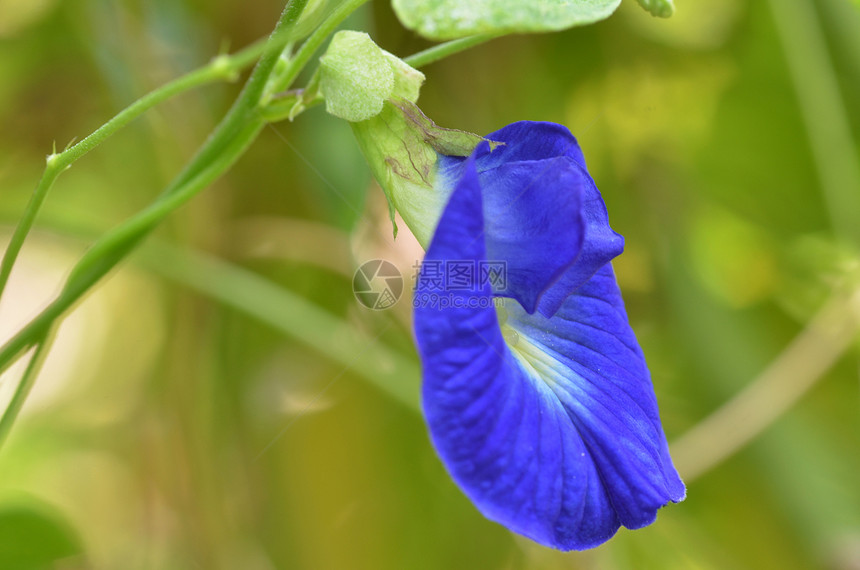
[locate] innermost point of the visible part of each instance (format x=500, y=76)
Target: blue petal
x=601, y=245
x=544, y=215
x=556, y=436
x=529, y=140
x=589, y=355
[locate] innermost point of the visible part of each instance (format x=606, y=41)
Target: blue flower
x=542, y=410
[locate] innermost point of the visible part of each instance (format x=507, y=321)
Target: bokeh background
x=222, y=401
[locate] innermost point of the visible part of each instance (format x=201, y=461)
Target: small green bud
x=658, y=8
x=356, y=77
x=376, y=91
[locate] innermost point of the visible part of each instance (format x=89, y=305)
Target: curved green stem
x=230, y=139
x=236, y=131
x=244, y=108
x=116, y=244
x=311, y=45
x=225, y=145
x=786, y=379
x=290, y=314
x=824, y=113
x=221, y=68
x=22, y=390
x=441, y=51
x=244, y=114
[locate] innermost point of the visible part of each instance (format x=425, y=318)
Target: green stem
x=312, y=44
x=221, y=68
x=10, y=414
x=229, y=140
x=292, y=315
x=784, y=382
x=115, y=245
x=823, y=110
x=244, y=109
x=244, y=112
x=441, y=51
x=226, y=144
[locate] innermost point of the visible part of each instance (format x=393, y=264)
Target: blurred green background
x=183, y=421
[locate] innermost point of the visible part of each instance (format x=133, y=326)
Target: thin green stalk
x=221, y=68
x=823, y=110
x=245, y=111
x=312, y=44
x=233, y=286
x=786, y=379
x=229, y=140
x=22, y=390
x=254, y=94
x=244, y=108
x=26, y=223
x=116, y=244
x=441, y=51
x=209, y=162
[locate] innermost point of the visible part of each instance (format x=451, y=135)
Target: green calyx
x=376, y=92
x=355, y=77
x=402, y=147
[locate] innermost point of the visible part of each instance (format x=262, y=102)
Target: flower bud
x=376, y=92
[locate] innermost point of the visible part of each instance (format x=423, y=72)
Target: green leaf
x=356, y=77
x=32, y=537
x=407, y=79
x=658, y=8
x=450, y=19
